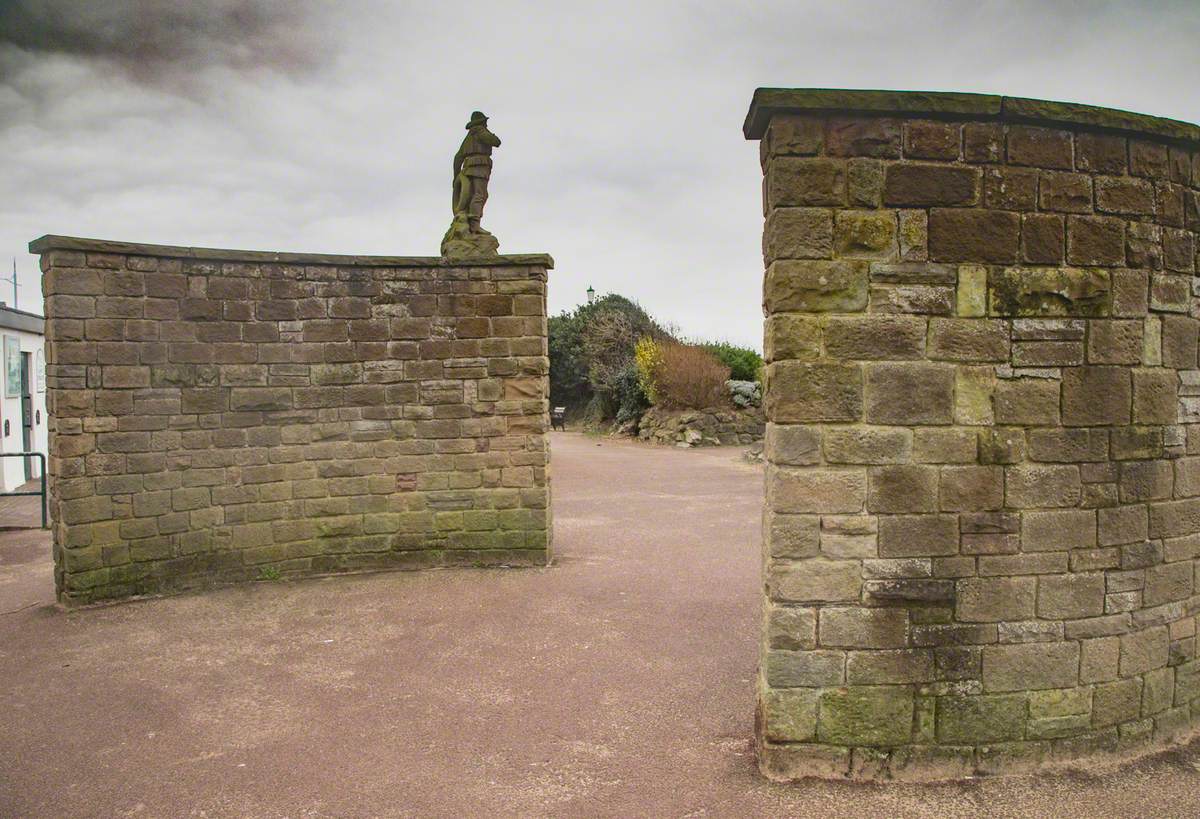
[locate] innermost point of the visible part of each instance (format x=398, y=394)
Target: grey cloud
x=154, y=39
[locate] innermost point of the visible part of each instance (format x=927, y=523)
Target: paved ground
x=616, y=683
x=21, y=511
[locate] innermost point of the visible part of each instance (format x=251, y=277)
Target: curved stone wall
x=226, y=415
x=983, y=492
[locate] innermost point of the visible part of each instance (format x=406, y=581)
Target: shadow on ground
x=616, y=683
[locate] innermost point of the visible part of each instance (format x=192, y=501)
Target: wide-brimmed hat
x=477, y=118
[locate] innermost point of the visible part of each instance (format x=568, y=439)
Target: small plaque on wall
x=12, y=367
x=39, y=370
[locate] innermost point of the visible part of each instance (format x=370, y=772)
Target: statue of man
x=472, y=169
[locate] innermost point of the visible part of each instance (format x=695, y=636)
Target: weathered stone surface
x=968, y=340
x=1096, y=396
x=252, y=413
x=1030, y=666
x=802, y=182
x=790, y=715
x=918, y=535
x=815, y=286
x=804, y=669
x=865, y=234
x=1032, y=509
x=815, y=581
x=866, y=715
x=893, y=489
x=792, y=445
x=792, y=336
x=1022, y=291
x=909, y=394
x=971, y=235
x=1071, y=596
x=801, y=392
x=798, y=233
x=973, y=719
x=867, y=445
x=863, y=628
x=816, y=490
x=875, y=337
x=995, y=599
x=920, y=185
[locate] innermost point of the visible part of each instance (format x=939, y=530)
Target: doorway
x=26, y=415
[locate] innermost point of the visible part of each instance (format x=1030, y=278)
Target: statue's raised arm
x=472, y=170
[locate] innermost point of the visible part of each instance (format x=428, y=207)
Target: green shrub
x=590, y=349
x=744, y=363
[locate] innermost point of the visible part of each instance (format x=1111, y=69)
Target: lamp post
x=591, y=291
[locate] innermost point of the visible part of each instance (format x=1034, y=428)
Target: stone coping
x=770, y=101
x=55, y=242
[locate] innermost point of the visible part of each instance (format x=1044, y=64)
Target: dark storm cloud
x=152, y=39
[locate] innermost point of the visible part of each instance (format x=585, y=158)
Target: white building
x=23, y=391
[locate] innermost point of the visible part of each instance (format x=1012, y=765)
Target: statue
x=472, y=169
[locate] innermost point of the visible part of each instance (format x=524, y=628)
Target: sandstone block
x=971, y=488
x=804, y=669
x=1096, y=396
x=865, y=234
x=863, y=628
x=815, y=286
x=909, y=394
x=816, y=580
x=1027, y=402
x=995, y=599
x=891, y=667
x=803, y=182
x=918, y=535
x=1030, y=666
x=1155, y=396
x=1143, y=651
x=1071, y=596
x=927, y=185
x=1040, y=147
x=867, y=445
x=1043, y=238
x=932, y=139
x=863, y=136
x=791, y=628
x=969, y=720
x=968, y=340
x=789, y=336
x=790, y=715
x=973, y=235
x=1010, y=188
x=1095, y=240
x=1058, y=530
x=906, y=488
x=1116, y=702
x=866, y=715
x=1065, y=192
x=798, y=233
x=875, y=337
x=1032, y=486
x=801, y=392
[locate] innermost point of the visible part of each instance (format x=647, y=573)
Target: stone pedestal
x=983, y=443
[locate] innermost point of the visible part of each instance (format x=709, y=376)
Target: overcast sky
x=329, y=126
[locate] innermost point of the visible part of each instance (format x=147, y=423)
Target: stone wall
x=714, y=426
x=983, y=491
x=222, y=415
